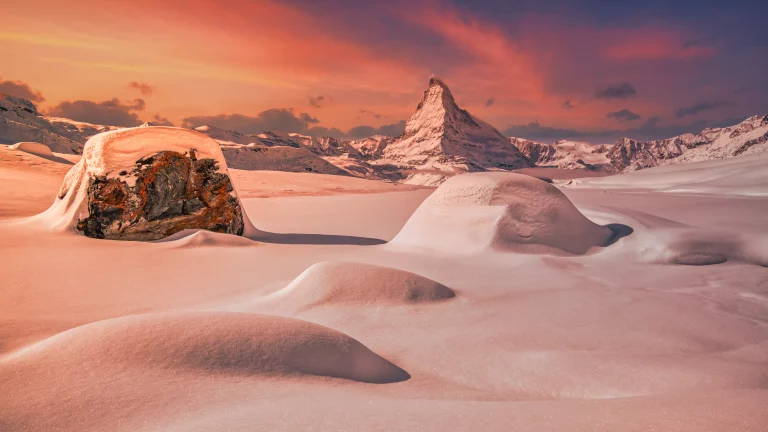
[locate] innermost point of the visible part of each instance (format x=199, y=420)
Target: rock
x=147, y=183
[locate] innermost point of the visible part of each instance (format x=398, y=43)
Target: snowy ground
x=104, y=335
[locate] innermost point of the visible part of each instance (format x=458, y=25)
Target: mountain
x=20, y=121
x=440, y=140
x=565, y=154
x=747, y=137
x=444, y=139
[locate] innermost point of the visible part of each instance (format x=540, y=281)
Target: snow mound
x=213, y=343
x=693, y=246
x=34, y=148
x=474, y=212
x=357, y=283
x=116, y=155
x=188, y=239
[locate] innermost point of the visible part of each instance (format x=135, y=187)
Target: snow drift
x=357, y=283
x=34, y=148
x=216, y=342
x=470, y=213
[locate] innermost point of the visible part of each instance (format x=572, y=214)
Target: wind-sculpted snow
x=328, y=283
x=476, y=212
x=212, y=343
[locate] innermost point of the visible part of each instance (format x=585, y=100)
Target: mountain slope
x=565, y=154
x=20, y=121
x=443, y=138
x=747, y=137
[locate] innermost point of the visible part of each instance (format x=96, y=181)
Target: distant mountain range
x=440, y=140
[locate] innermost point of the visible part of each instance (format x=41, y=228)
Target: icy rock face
x=478, y=212
x=565, y=154
x=442, y=137
x=21, y=122
x=747, y=137
x=147, y=183
x=628, y=154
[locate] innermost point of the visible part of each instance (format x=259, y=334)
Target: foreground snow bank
x=221, y=343
x=510, y=212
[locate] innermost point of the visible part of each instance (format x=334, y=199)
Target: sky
x=584, y=70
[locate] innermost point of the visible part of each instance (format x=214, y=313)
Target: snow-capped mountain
x=747, y=137
x=444, y=139
x=440, y=140
x=20, y=121
x=565, y=154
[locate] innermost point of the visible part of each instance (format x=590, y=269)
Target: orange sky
x=209, y=58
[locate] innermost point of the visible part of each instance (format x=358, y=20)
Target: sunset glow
x=368, y=63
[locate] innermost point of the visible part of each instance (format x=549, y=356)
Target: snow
x=211, y=343
x=653, y=332
x=329, y=283
x=442, y=137
x=278, y=158
x=564, y=154
x=743, y=175
x=472, y=213
x=33, y=148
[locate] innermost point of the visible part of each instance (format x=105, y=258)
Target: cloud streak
x=622, y=90
x=623, y=115
x=700, y=107
x=143, y=88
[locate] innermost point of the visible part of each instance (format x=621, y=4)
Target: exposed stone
x=172, y=192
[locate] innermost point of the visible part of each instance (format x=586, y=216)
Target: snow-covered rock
x=277, y=158
x=21, y=122
x=146, y=183
x=565, y=154
x=747, y=137
x=226, y=137
x=442, y=137
x=472, y=213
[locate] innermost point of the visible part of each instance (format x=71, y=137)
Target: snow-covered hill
x=20, y=121
x=277, y=158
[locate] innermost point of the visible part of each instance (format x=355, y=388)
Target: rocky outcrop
x=171, y=192
x=629, y=154
x=746, y=137
x=278, y=158
x=565, y=154
x=147, y=183
x=538, y=153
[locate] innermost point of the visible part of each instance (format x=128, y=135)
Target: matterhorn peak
x=442, y=137
x=438, y=109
